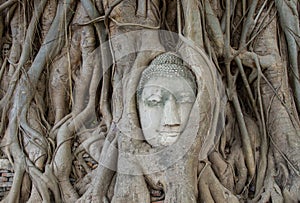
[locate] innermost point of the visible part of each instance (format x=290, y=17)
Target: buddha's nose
x=170, y=114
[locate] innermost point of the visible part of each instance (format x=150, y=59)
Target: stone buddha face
x=166, y=94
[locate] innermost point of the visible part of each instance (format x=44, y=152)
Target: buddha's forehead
x=174, y=85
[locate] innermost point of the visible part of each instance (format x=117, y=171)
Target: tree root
x=290, y=25
x=214, y=29
x=193, y=25
x=86, y=145
x=23, y=97
x=211, y=190
x=103, y=175
x=7, y=4
x=62, y=168
x=224, y=171
x=21, y=164
x=271, y=190
x=106, y=60
x=248, y=152
x=59, y=88
x=264, y=161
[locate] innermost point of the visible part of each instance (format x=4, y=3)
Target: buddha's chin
x=168, y=140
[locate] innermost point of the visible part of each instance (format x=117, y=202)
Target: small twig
x=249, y=91
x=280, y=99
x=244, y=4
x=242, y=49
x=245, y=80
x=179, y=23
x=62, y=121
x=95, y=20
x=109, y=10
x=259, y=93
x=207, y=163
x=264, y=27
x=157, y=11
x=248, y=23
x=241, y=20
x=259, y=27
x=61, y=145
x=69, y=68
x=134, y=24
x=264, y=142
x=270, y=105
x=285, y=157
x=260, y=11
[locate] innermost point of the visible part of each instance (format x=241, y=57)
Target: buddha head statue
x=165, y=95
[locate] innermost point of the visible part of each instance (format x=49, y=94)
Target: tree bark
x=70, y=125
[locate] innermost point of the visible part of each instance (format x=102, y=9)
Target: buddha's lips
x=169, y=134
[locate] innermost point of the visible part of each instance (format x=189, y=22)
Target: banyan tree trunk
x=70, y=128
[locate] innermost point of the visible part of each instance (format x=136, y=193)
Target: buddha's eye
x=154, y=100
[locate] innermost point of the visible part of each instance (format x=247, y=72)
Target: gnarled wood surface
x=69, y=123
